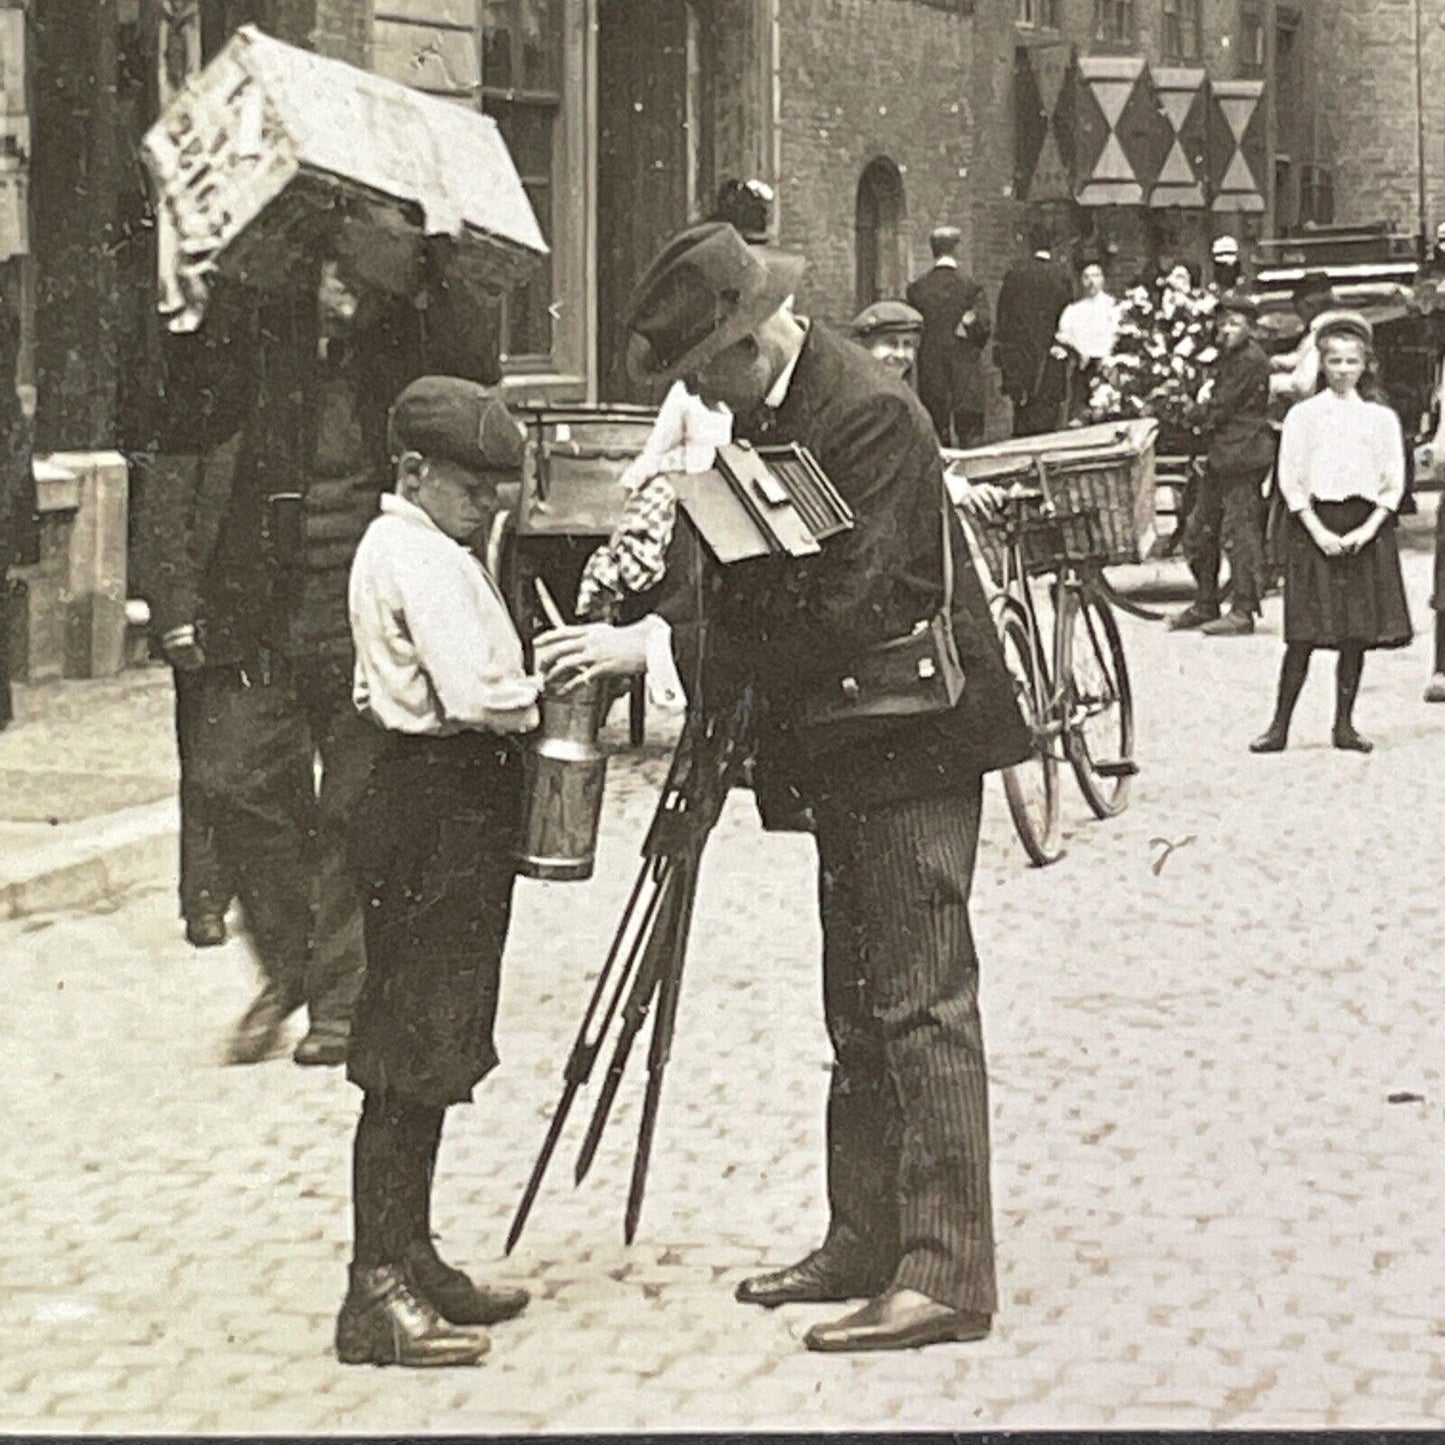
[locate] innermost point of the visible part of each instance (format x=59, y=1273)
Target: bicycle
x=1076, y=695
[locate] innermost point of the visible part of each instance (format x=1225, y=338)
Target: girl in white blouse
x=1341, y=472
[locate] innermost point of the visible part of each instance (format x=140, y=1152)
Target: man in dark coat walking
x=1030, y=302
x=895, y=804
x=1230, y=507
x=956, y=328
x=267, y=549
x=19, y=528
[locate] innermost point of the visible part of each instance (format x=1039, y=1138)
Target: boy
x=439, y=668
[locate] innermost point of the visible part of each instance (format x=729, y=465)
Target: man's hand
x=182, y=648
x=568, y=657
x=983, y=499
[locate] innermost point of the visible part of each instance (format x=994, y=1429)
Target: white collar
x=395, y=505
x=778, y=393
x=946, y=261
x=1043, y=255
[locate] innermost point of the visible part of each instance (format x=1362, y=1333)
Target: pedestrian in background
x=1229, y=506
x=1225, y=264
x=440, y=680
x=1030, y=302
x=1087, y=331
x=1341, y=474
x=1435, y=688
x=889, y=331
x=19, y=529
x=956, y=328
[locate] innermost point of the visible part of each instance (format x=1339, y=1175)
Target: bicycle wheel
x=1032, y=787
x=1099, y=738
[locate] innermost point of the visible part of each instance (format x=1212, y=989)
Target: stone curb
x=97, y=862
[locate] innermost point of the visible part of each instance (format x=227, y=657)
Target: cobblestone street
x=1217, y=1090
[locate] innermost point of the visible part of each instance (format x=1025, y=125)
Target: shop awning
x=1183, y=100
x=1044, y=122
x=1121, y=139
x=1237, y=150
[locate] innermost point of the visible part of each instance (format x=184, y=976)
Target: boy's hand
x=568, y=657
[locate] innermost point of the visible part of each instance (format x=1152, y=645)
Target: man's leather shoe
x=324, y=1045
x=818, y=1279
x=1347, y=739
x=1232, y=624
x=457, y=1298
x=258, y=1034
x=206, y=930
x=1435, y=688
x=900, y=1319
x=1192, y=616
x=382, y=1322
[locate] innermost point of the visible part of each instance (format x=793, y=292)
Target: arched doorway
x=878, y=233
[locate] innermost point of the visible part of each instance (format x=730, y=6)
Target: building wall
x=1362, y=53
x=862, y=79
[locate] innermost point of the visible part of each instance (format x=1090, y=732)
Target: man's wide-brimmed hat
x=706, y=290
x=886, y=317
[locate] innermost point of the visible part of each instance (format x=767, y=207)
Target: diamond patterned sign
x=1044, y=101
x=1237, y=151
x=1121, y=138
x=1183, y=96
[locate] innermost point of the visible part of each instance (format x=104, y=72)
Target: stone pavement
x=1217, y=1098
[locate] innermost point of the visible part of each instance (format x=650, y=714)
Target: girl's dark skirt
x=1357, y=600
x=434, y=850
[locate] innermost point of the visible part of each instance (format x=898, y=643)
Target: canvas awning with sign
x=14, y=138
x=1120, y=138
x=1044, y=122
x=1183, y=99
x=1237, y=148
x=271, y=146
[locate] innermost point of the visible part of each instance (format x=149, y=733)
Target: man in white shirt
x=439, y=667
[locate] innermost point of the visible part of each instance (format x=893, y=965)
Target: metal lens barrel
x=565, y=772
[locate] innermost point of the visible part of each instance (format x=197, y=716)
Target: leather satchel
x=909, y=676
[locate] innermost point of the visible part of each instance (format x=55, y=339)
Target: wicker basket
x=1101, y=488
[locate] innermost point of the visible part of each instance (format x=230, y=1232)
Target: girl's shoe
x=1347, y=739
x=1272, y=740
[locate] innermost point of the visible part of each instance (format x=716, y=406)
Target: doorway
x=648, y=145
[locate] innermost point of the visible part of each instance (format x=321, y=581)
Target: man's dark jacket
x=243, y=409
x=795, y=623
x=950, y=367
x=1030, y=302
x=1236, y=421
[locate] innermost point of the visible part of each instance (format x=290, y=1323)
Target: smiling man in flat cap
x=896, y=801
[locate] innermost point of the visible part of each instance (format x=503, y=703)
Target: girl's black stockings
x=1296, y=668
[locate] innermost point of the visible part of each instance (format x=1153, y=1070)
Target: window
x=1114, y=22
x=522, y=68
x=1252, y=42
x=878, y=234
x=1041, y=14
x=1183, y=37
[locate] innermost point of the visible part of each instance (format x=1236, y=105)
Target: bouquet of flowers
x=1158, y=368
